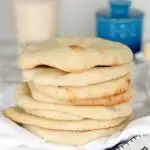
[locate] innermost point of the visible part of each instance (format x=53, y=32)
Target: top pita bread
x=75, y=54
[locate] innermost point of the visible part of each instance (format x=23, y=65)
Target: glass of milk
x=36, y=20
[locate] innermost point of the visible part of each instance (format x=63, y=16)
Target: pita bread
x=24, y=100
x=51, y=76
x=22, y=117
x=97, y=91
x=108, y=101
x=75, y=54
x=74, y=138
x=55, y=115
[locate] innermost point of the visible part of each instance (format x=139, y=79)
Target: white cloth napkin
x=12, y=135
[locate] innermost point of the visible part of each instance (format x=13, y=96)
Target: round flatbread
x=22, y=117
x=75, y=54
x=55, y=115
x=106, y=101
x=51, y=76
x=96, y=91
x=24, y=100
x=74, y=138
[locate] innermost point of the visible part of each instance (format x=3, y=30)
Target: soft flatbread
x=96, y=91
x=74, y=138
x=24, y=100
x=55, y=115
x=75, y=54
x=22, y=117
x=51, y=76
x=106, y=101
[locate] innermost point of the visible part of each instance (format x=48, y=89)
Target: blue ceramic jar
x=121, y=24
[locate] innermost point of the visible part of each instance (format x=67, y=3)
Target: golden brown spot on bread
x=115, y=93
x=109, y=102
x=59, y=87
x=75, y=47
x=129, y=81
x=118, y=91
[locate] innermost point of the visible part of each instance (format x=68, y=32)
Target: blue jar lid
x=133, y=13
x=119, y=2
x=120, y=10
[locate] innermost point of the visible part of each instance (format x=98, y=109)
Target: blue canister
x=121, y=24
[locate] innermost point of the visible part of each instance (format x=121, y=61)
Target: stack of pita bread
x=77, y=88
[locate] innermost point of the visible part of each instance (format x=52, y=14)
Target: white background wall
x=76, y=17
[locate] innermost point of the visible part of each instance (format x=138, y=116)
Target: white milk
x=36, y=20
